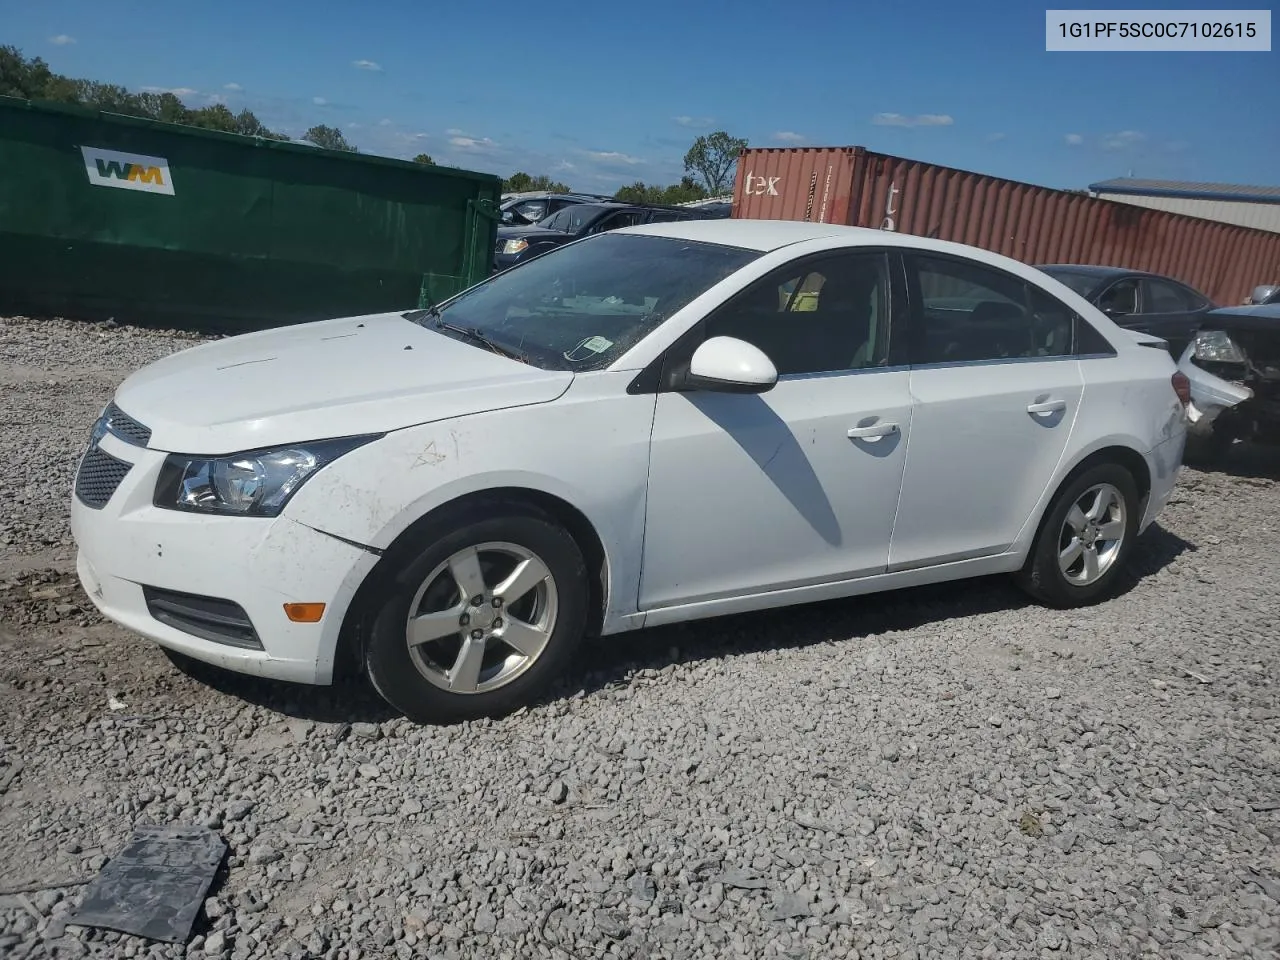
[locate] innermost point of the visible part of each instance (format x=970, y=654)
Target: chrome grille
x=125, y=427
x=99, y=476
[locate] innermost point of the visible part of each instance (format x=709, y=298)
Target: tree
x=521, y=182
x=20, y=77
x=424, y=159
x=32, y=79
x=685, y=191
x=330, y=138
x=712, y=159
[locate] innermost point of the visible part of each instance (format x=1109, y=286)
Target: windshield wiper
x=415, y=316
x=474, y=334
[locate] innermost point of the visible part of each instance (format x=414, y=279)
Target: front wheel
x=1085, y=539
x=482, y=620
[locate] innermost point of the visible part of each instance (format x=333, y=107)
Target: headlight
x=257, y=483
x=515, y=246
x=1215, y=346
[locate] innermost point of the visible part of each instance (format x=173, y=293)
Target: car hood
x=1263, y=317
x=333, y=378
x=532, y=232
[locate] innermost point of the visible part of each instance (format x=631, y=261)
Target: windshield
x=582, y=306
x=571, y=219
x=1081, y=283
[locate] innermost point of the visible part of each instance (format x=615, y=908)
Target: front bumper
x=257, y=564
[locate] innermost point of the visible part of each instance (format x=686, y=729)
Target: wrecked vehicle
x=1233, y=364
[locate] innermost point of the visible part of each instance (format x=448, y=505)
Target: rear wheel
x=482, y=620
x=1085, y=539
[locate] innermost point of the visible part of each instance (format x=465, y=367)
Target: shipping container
x=1037, y=225
x=103, y=215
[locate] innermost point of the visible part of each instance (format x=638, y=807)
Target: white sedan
x=653, y=425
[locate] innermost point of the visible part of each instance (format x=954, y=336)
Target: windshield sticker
x=592, y=345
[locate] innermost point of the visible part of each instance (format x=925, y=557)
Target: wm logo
x=127, y=171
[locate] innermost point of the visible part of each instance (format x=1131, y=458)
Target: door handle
x=873, y=432
x=1049, y=406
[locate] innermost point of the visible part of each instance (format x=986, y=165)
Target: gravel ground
x=937, y=773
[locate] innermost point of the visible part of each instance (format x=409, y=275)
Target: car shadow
x=1244, y=461
x=612, y=660
x=347, y=700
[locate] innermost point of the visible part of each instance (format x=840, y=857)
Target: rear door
x=1170, y=311
x=995, y=390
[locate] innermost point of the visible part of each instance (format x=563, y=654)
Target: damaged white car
x=652, y=425
x=1233, y=366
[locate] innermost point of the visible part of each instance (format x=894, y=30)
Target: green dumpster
x=103, y=215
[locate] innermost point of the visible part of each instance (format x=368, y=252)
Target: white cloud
x=472, y=143
x=366, y=65
x=920, y=120
x=455, y=132
x=384, y=122
x=563, y=165
x=1073, y=139
x=694, y=121
x=612, y=156
x=996, y=137
x=1123, y=140
x=232, y=87
x=319, y=101
x=62, y=40
x=176, y=91
x=787, y=136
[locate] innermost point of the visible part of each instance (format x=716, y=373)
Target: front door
x=995, y=388
x=756, y=492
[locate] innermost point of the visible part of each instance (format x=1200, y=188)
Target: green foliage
x=712, y=158
x=521, y=182
x=424, y=159
x=330, y=138
x=33, y=80
x=686, y=191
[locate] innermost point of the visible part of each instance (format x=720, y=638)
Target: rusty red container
x=1037, y=225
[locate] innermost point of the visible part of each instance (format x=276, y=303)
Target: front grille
x=209, y=618
x=99, y=475
x=125, y=427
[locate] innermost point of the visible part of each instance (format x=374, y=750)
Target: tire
x=1043, y=576
x=433, y=682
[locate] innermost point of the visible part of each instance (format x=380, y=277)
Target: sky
x=601, y=95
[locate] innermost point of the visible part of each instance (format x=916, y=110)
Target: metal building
x=1246, y=206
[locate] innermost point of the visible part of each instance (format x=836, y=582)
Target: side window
x=626, y=218
x=1161, y=297
x=832, y=314
x=968, y=312
x=664, y=216
x=1120, y=299
x=532, y=210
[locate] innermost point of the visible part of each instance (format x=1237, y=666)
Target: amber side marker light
x=304, y=612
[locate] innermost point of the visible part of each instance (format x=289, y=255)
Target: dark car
x=524, y=209
x=518, y=244
x=1137, y=300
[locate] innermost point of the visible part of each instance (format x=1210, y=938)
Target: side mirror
x=730, y=365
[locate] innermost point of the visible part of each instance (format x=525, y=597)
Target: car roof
x=1100, y=271
x=762, y=235
x=768, y=235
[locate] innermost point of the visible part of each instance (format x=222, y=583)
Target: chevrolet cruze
x=652, y=425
